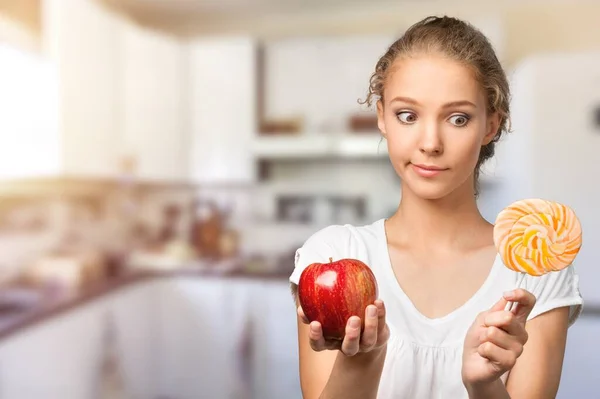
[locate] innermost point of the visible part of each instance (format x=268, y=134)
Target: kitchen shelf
x=320, y=145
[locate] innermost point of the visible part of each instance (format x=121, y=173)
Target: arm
x=493, y=344
x=532, y=352
x=333, y=374
x=494, y=390
x=536, y=375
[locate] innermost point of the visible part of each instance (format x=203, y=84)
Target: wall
x=16, y=34
x=565, y=140
x=530, y=26
x=568, y=27
x=319, y=78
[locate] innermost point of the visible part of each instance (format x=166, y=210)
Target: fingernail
x=509, y=294
x=314, y=328
x=354, y=323
x=371, y=311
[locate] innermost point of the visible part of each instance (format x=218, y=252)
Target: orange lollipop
x=535, y=236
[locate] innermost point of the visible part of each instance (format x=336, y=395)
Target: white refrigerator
x=554, y=153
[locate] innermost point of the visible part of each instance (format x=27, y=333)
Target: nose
x=431, y=142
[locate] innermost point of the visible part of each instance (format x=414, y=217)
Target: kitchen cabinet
x=180, y=337
x=276, y=342
x=153, y=103
x=179, y=109
x=202, y=330
x=56, y=360
x=228, y=338
x=552, y=153
x=122, y=93
x=136, y=323
x=222, y=109
x=62, y=358
x=320, y=78
x=82, y=39
x=29, y=87
x=325, y=146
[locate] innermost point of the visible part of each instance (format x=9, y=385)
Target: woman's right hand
x=374, y=336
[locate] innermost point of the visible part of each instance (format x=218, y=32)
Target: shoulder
x=331, y=235
x=335, y=241
x=555, y=290
x=338, y=234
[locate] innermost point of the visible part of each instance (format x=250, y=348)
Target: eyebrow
x=447, y=105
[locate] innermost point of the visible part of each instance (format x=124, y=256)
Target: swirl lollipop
x=536, y=237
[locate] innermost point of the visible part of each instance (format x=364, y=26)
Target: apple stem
x=330, y=260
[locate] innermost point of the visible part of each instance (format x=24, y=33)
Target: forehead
x=432, y=80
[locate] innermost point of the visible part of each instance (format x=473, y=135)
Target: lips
x=429, y=167
x=427, y=170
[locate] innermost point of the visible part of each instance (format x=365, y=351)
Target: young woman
x=442, y=103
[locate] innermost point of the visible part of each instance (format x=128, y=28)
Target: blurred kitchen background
x=160, y=162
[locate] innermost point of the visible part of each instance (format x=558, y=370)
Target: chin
x=430, y=190
x=434, y=189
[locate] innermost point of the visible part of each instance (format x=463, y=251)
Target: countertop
x=53, y=306
x=12, y=322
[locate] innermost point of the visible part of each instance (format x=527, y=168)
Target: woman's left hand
x=496, y=339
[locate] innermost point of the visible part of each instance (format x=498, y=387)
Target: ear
x=493, y=124
x=380, y=120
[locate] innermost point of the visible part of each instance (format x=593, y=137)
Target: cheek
x=469, y=149
x=398, y=137
x=399, y=145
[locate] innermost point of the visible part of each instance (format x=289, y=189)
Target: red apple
x=331, y=293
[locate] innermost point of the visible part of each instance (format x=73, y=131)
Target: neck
x=450, y=222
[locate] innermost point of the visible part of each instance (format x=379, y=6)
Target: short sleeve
x=555, y=290
x=326, y=243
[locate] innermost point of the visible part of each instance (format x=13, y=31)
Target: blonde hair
x=464, y=43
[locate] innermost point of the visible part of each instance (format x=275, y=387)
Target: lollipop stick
x=512, y=305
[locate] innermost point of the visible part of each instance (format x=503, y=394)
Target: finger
x=368, y=337
x=302, y=316
x=333, y=344
x=381, y=323
x=507, y=321
x=502, y=339
x=525, y=301
x=351, y=342
x=500, y=305
x=380, y=311
x=315, y=335
x=502, y=359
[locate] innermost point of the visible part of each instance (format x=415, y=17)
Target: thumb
x=302, y=316
x=500, y=305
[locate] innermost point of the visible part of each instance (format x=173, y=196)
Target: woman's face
x=435, y=120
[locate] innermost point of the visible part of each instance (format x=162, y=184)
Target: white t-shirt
x=424, y=355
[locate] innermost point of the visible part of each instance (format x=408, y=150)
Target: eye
x=407, y=117
x=459, y=120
